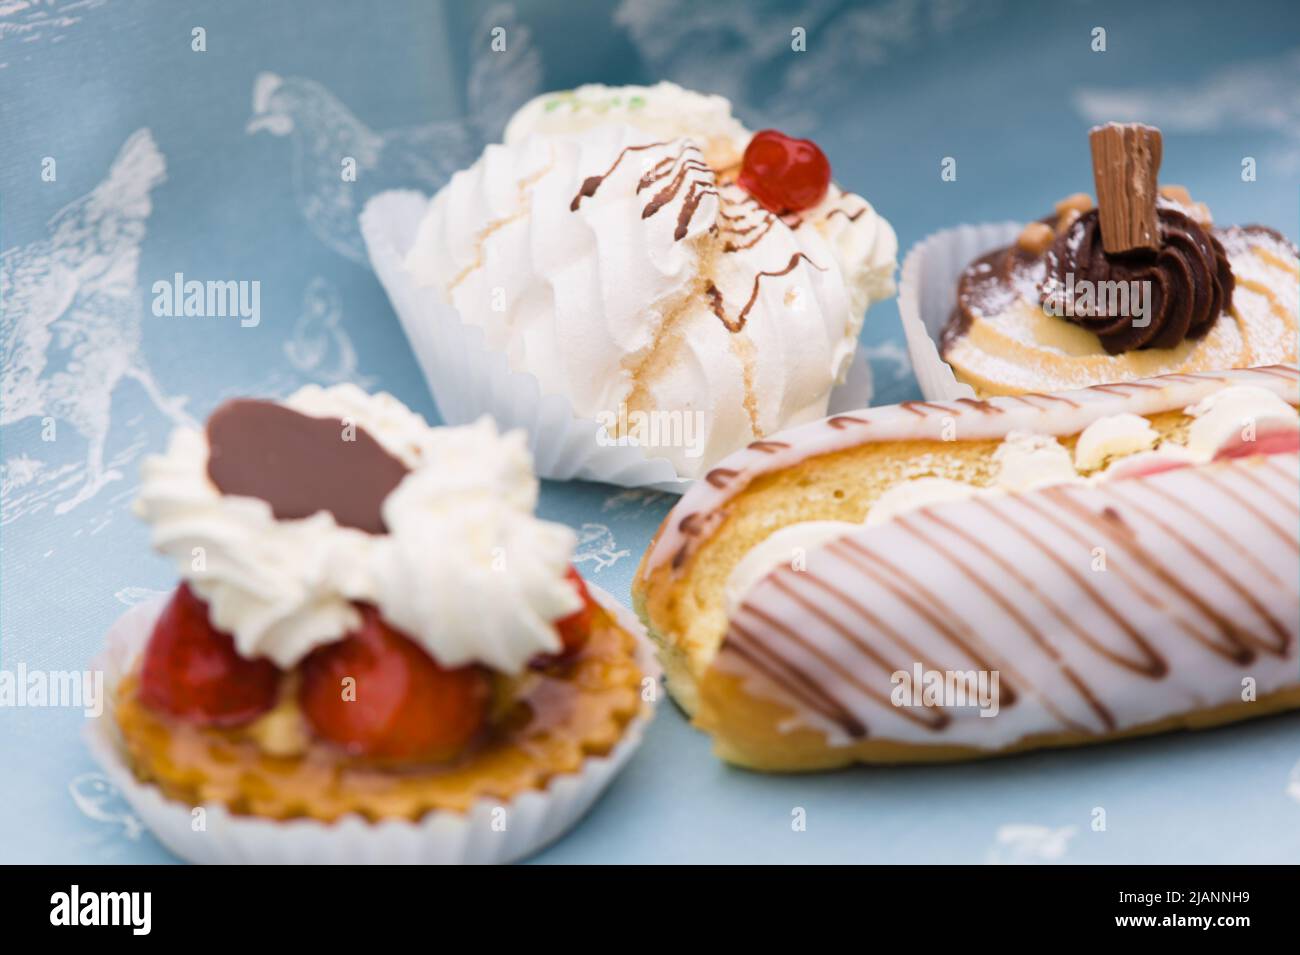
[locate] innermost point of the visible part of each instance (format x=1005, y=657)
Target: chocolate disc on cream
x=300, y=465
x=285, y=579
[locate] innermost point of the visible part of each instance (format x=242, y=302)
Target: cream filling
x=1122, y=444
x=1113, y=436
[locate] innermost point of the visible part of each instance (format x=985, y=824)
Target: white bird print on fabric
x=637, y=498
x=596, y=545
x=71, y=325
x=319, y=347
x=30, y=25
x=324, y=133
x=100, y=800
x=1021, y=843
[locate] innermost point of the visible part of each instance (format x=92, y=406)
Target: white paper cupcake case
x=927, y=293
x=532, y=821
x=468, y=379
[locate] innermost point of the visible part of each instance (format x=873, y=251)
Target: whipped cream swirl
x=466, y=570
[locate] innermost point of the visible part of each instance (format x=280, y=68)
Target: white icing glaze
x=1198, y=592
x=700, y=509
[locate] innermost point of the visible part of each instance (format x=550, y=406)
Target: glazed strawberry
x=401, y=706
x=785, y=175
x=191, y=670
x=575, y=628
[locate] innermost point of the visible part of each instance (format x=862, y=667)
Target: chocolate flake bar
x=1125, y=161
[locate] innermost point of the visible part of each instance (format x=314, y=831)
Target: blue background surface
x=887, y=88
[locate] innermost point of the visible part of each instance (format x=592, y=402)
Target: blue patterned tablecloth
x=128, y=155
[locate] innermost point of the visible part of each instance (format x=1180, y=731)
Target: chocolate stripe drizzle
x=836, y=666
x=680, y=167
x=668, y=164
x=980, y=405
x=842, y=421
x=804, y=688
x=592, y=183
x=857, y=557
x=1013, y=612
x=1279, y=468
x=845, y=213
x=764, y=228
x=1280, y=371
x=1032, y=398
x=719, y=477
x=1233, y=653
x=1152, y=665
x=923, y=408
x=936, y=721
x=1233, y=543
x=1288, y=503
x=1216, y=568
x=1116, y=530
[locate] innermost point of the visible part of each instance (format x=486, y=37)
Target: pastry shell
x=506, y=817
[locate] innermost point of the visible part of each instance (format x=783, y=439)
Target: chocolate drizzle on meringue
x=1189, y=279
x=852, y=217
x=686, y=166
x=592, y=183
x=718, y=306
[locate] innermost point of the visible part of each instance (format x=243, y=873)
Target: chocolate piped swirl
x=1190, y=283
